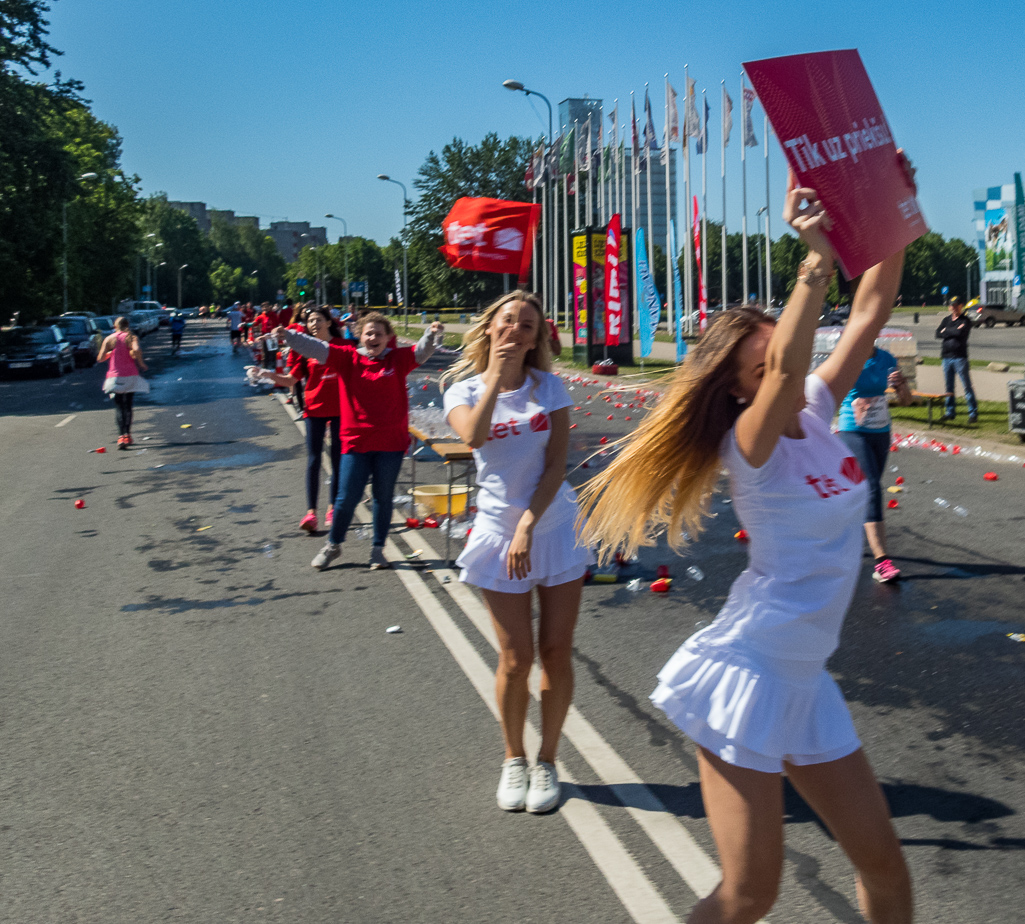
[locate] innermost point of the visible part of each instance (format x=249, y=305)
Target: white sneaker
x=543, y=794
x=512, y=786
x=377, y=559
x=325, y=556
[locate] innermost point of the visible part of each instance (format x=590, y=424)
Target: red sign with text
x=491, y=235
x=613, y=295
x=836, y=138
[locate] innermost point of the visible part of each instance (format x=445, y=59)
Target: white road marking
x=634, y=889
x=65, y=421
x=666, y=832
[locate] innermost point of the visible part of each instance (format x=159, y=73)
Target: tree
x=180, y=242
x=23, y=34
x=494, y=168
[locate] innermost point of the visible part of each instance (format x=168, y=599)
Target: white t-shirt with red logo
x=511, y=462
x=803, y=511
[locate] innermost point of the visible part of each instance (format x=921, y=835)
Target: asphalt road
x=196, y=726
x=996, y=344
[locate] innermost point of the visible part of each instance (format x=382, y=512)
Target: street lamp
x=405, y=262
x=64, y=223
x=180, y=268
x=345, y=251
x=320, y=280
x=155, y=268
x=516, y=86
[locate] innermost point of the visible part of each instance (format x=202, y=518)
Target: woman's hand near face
x=505, y=354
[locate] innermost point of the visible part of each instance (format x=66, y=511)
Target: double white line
x=635, y=890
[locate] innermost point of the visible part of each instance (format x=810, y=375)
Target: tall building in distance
x=290, y=237
x=999, y=213
x=573, y=113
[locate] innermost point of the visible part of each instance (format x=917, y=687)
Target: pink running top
x=121, y=363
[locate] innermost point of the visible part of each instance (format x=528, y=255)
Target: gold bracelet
x=810, y=276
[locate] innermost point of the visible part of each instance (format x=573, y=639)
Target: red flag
x=702, y=294
x=613, y=298
x=491, y=235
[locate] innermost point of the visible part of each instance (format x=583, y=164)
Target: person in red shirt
x=263, y=324
x=322, y=398
x=374, y=411
x=287, y=313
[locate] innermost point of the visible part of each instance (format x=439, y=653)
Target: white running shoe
x=512, y=787
x=377, y=559
x=544, y=791
x=325, y=556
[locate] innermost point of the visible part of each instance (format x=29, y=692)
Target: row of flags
x=584, y=148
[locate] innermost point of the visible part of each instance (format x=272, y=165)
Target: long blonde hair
x=667, y=469
x=477, y=342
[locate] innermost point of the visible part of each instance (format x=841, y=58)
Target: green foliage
x=23, y=35
x=931, y=263
x=494, y=168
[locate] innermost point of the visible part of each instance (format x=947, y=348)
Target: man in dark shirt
x=953, y=331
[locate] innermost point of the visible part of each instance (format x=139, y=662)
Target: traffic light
x=302, y=293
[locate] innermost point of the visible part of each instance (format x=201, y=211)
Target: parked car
x=31, y=349
x=142, y=322
x=104, y=324
x=989, y=315
x=83, y=335
x=835, y=317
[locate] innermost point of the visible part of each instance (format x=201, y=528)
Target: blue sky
x=290, y=110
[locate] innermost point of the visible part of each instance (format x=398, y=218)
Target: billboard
x=998, y=239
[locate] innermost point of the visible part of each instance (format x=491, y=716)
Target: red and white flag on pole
x=702, y=294
x=491, y=235
x=613, y=296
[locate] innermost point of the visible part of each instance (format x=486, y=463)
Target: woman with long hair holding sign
x=751, y=689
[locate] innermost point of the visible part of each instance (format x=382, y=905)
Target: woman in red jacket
x=322, y=410
x=374, y=409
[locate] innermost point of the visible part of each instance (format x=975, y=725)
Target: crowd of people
x=751, y=689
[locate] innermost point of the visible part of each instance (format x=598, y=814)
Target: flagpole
x=704, y=195
x=743, y=169
x=567, y=256
x=590, y=172
x=688, y=237
x=722, y=259
x=670, y=295
x=555, y=252
x=576, y=175
x=634, y=193
x=544, y=265
x=601, y=167
x=533, y=267
x=768, y=237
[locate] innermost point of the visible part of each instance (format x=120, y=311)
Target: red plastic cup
x=79, y=504
x=412, y=523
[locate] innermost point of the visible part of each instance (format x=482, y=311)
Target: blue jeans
x=316, y=428
x=356, y=468
x=958, y=364
x=871, y=450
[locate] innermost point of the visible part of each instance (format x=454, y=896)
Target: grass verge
x=992, y=424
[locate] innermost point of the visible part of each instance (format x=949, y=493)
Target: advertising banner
x=650, y=307
x=836, y=139
x=681, y=344
x=998, y=240
x=580, y=289
x=491, y=235
x=613, y=297
x=596, y=287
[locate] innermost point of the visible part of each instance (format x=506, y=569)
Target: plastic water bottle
x=940, y=502
x=695, y=573
x=960, y=511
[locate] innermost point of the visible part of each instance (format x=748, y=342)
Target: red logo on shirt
x=539, y=422
x=824, y=487
x=850, y=469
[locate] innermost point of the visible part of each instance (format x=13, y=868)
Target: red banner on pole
x=837, y=140
x=613, y=296
x=491, y=235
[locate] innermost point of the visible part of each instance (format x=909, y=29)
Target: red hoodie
x=321, y=391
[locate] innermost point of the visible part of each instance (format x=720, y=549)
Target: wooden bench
x=929, y=399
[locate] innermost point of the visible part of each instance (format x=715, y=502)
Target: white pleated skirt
x=555, y=558
x=756, y=711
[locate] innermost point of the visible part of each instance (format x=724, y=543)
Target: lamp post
x=320, y=280
x=516, y=86
x=405, y=262
x=64, y=224
x=155, y=268
x=180, y=268
x=345, y=251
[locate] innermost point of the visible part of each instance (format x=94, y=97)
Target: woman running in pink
x=123, y=381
